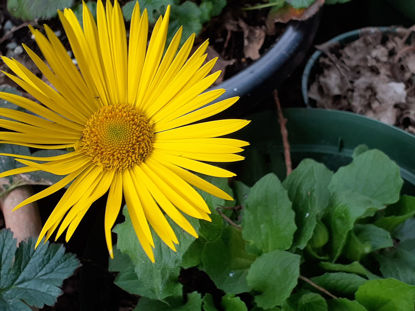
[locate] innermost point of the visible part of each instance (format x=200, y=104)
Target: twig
x=284, y=134
x=11, y=31
x=321, y=289
x=228, y=220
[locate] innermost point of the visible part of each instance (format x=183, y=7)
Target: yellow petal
x=112, y=209
x=164, y=203
x=179, y=201
x=134, y=206
x=199, y=182
x=204, y=129
x=154, y=215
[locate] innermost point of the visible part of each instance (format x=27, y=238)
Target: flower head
x=128, y=112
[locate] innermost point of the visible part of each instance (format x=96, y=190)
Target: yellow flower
x=126, y=114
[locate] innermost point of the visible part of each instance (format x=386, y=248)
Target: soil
x=373, y=75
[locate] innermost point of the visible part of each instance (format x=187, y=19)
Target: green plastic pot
x=328, y=136
x=311, y=67
x=406, y=7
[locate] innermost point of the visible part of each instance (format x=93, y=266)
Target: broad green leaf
x=341, y=283
x=217, y=6
x=397, y=213
x=268, y=219
x=241, y=192
x=208, y=303
x=232, y=303
x=193, y=303
x=307, y=190
x=336, y=1
x=226, y=262
x=399, y=263
x=343, y=211
x=213, y=230
x=406, y=231
x=359, y=149
x=343, y=304
x=153, y=280
x=192, y=257
x=299, y=4
x=180, y=17
x=273, y=275
x=354, y=267
x=371, y=174
x=386, y=295
x=155, y=8
x=29, y=276
x=305, y=301
x=376, y=237
x=34, y=9
x=355, y=249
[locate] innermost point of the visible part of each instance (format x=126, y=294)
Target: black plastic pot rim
x=265, y=68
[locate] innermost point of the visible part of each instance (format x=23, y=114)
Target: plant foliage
x=286, y=241
x=29, y=276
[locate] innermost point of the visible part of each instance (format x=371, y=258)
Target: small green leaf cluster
x=189, y=14
x=30, y=277
x=276, y=5
x=319, y=240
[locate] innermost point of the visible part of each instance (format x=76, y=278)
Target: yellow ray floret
x=127, y=115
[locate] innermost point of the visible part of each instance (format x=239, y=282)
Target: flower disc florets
x=118, y=137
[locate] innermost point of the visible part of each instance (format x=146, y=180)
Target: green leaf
x=386, y=295
x=354, y=267
x=213, y=230
x=305, y=301
x=208, y=303
x=153, y=280
x=193, y=256
x=399, y=263
x=299, y=4
x=307, y=190
x=406, y=231
x=29, y=276
x=343, y=304
x=193, y=303
x=274, y=275
x=268, y=219
x=343, y=211
x=336, y=1
x=216, y=6
x=180, y=17
x=376, y=237
x=397, y=213
x=34, y=9
x=341, y=283
x=241, y=192
x=232, y=303
x=371, y=174
x=226, y=262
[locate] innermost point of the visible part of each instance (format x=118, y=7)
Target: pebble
x=18, y=50
x=8, y=25
x=12, y=45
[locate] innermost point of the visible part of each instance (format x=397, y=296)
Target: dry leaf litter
x=373, y=75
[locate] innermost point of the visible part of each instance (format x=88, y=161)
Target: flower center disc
x=118, y=137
